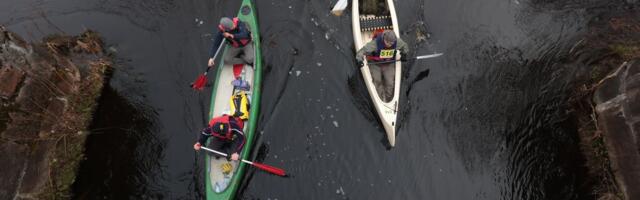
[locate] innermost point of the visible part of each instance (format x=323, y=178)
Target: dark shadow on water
x=123, y=153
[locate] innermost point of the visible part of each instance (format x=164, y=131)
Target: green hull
x=246, y=14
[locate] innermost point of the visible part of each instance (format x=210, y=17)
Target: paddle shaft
x=216, y=54
x=270, y=169
x=414, y=58
x=225, y=155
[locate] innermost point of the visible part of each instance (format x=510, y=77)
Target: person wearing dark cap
x=227, y=135
x=383, y=48
x=238, y=36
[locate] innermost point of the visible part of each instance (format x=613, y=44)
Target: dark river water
x=488, y=120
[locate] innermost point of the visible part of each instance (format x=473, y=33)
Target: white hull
x=387, y=111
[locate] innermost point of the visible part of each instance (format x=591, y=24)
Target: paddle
x=416, y=58
x=199, y=83
x=339, y=7
x=270, y=169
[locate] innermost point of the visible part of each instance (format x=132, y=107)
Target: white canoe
x=387, y=111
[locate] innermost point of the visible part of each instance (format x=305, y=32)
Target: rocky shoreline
x=605, y=104
x=47, y=97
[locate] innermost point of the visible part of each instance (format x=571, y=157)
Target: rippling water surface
x=485, y=121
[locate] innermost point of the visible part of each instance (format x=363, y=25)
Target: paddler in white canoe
x=381, y=53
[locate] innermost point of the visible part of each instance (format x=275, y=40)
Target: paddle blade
x=339, y=7
x=429, y=56
x=270, y=169
x=199, y=83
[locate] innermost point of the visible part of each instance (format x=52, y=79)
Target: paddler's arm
x=243, y=32
x=237, y=144
x=217, y=38
x=403, y=47
x=204, y=135
x=367, y=49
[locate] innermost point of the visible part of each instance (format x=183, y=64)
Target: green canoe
x=218, y=184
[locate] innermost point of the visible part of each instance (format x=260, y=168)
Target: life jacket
x=230, y=121
x=382, y=53
x=240, y=105
x=235, y=42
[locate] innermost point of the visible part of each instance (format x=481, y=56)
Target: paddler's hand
x=403, y=57
x=197, y=146
x=211, y=62
x=235, y=156
x=227, y=35
x=359, y=63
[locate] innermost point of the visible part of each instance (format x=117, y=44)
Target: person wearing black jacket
x=238, y=36
x=227, y=135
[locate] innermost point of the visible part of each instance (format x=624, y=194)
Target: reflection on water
x=125, y=152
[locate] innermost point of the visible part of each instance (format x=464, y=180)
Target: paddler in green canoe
x=227, y=135
x=238, y=35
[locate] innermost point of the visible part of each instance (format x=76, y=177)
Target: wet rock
x=45, y=103
x=13, y=159
x=22, y=127
x=56, y=108
x=37, y=170
x=10, y=78
x=618, y=109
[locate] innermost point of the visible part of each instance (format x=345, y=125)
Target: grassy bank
x=608, y=44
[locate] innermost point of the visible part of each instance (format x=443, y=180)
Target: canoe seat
x=371, y=23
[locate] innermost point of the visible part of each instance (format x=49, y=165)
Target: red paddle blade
x=270, y=169
x=199, y=83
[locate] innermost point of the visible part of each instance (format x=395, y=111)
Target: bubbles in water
x=335, y=123
x=298, y=73
x=340, y=191
x=319, y=64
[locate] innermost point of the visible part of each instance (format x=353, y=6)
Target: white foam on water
x=335, y=123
